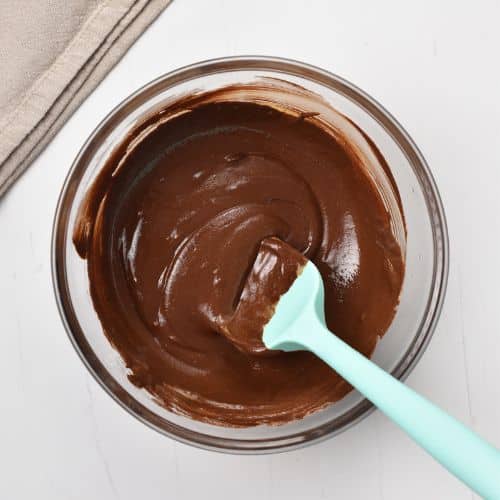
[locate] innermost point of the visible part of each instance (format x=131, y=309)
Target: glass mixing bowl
x=426, y=252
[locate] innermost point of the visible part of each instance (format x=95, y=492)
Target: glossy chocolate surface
x=171, y=230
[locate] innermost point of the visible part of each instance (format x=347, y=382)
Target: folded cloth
x=53, y=53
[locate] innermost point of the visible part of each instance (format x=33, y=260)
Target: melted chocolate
x=171, y=230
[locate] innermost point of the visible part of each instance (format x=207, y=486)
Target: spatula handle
x=459, y=449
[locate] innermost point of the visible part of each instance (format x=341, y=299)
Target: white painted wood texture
x=435, y=66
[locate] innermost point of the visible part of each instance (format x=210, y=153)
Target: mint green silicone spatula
x=298, y=323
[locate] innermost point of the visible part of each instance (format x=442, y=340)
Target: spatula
x=298, y=323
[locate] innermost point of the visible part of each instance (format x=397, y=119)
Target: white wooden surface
x=435, y=65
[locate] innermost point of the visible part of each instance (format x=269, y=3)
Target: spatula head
x=281, y=287
x=300, y=306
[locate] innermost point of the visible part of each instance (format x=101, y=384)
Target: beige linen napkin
x=53, y=53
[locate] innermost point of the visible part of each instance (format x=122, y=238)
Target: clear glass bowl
x=426, y=252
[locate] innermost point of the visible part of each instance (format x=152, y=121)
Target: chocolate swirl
x=171, y=230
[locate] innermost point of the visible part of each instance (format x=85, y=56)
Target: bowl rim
x=399, y=136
